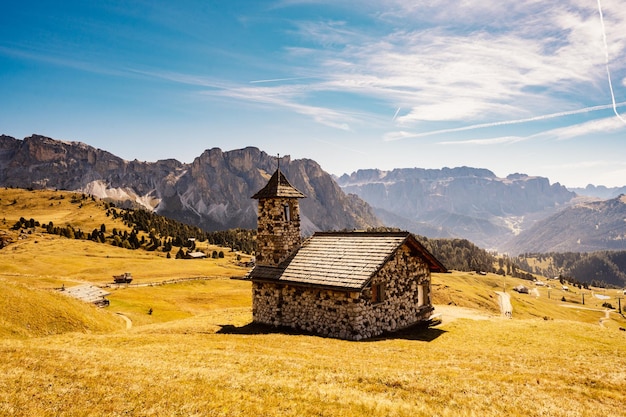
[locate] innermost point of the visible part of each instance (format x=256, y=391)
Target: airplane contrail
x=275, y=80
x=606, y=55
x=395, y=114
x=516, y=121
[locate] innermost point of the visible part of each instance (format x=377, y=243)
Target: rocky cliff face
x=463, y=202
x=212, y=192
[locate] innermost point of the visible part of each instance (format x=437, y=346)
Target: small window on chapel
x=378, y=293
x=286, y=213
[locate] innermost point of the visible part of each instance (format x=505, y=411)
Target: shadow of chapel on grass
x=419, y=332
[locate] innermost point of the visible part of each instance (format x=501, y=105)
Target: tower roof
x=278, y=186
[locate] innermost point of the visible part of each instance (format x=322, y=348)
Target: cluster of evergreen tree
x=460, y=254
x=601, y=269
x=243, y=240
x=182, y=234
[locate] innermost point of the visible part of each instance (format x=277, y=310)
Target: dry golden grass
x=471, y=290
x=54, y=261
x=198, y=355
x=27, y=312
x=54, y=206
x=466, y=368
x=206, y=360
x=176, y=301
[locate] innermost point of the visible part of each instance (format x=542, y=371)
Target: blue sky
x=513, y=86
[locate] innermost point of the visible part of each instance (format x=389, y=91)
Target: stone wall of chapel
x=277, y=236
x=323, y=312
x=401, y=277
x=350, y=315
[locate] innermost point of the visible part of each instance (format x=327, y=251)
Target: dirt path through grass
x=129, y=323
x=504, y=299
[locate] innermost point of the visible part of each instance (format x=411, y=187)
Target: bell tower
x=278, y=223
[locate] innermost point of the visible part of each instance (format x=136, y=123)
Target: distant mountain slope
x=463, y=202
x=600, y=191
x=212, y=192
x=585, y=227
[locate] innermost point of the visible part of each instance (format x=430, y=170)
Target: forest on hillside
x=148, y=231
x=601, y=269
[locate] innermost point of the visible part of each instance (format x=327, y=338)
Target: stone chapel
x=348, y=285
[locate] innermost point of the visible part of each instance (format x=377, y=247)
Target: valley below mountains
x=516, y=214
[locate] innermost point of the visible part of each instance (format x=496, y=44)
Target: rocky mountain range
x=516, y=214
x=212, y=192
x=458, y=202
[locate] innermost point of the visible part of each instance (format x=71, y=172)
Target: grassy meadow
x=198, y=354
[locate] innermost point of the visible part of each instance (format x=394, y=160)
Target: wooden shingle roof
x=278, y=186
x=86, y=292
x=344, y=261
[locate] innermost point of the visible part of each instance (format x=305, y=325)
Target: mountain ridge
x=212, y=192
x=471, y=203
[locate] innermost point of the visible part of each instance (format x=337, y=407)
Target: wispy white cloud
x=482, y=63
x=606, y=54
x=605, y=125
x=283, y=97
x=183, y=78
x=483, y=142
x=520, y=59
x=60, y=61
x=510, y=63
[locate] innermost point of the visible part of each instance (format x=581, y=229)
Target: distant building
x=348, y=285
x=196, y=255
x=521, y=289
x=88, y=293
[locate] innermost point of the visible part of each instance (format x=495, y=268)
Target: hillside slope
x=89, y=243
x=586, y=227
x=29, y=312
